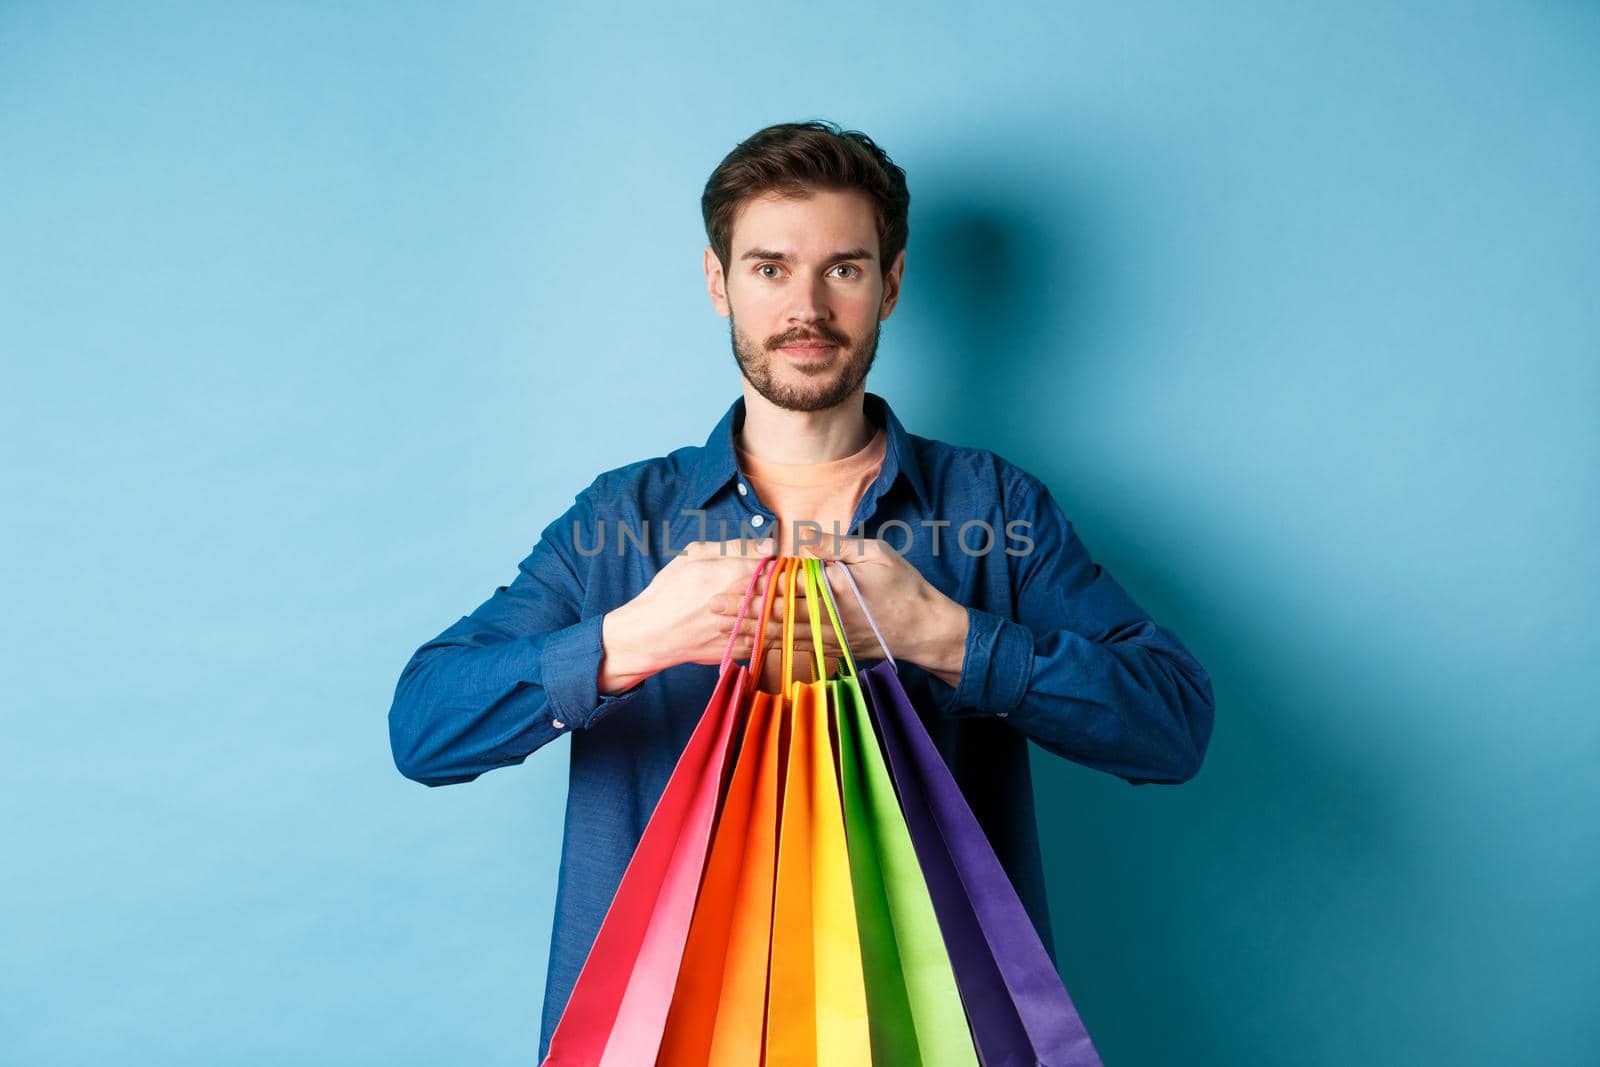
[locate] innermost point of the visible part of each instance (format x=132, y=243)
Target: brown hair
x=793, y=158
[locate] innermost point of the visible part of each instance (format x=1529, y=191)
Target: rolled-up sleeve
x=1082, y=669
x=517, y=673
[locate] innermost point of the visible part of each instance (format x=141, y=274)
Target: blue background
x=314, y=314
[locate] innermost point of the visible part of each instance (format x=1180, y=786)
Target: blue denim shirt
x=1056, y=652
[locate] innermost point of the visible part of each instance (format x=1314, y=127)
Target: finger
x=727, y=621
x=748, y=549
x=780, y=608
x=728, y=604
x=741, y=548
x=772, y=639
x=775, y=624
x=845, y=549
x=727, y=601
x=804, y=655
x=802, y=637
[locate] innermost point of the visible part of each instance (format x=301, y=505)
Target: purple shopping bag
x=1018, y=1008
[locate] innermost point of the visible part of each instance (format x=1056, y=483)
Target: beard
x=825, y=385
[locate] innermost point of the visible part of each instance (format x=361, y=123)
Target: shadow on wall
x=1181, y=914
x=1001, y=285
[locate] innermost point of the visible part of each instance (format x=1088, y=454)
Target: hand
x=687, y=614
x=919, y=622
x=803, y=664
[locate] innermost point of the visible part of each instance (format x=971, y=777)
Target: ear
x=891, y=285
x=716, y=284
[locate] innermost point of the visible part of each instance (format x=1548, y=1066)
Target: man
x=1003, y=627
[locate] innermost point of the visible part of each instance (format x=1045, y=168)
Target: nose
x=810, y=303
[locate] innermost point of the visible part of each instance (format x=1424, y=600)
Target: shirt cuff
x=996, y=666
x=570, y=665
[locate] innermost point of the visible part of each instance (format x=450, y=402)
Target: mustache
x=825, y=336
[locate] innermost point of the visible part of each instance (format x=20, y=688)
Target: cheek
x=755, y=306
x=861, y=309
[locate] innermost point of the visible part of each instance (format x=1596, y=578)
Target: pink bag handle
x=744, y=608
x=856, y=589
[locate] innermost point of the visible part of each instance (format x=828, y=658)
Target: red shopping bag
x=718, y=1013
x=618, y=1008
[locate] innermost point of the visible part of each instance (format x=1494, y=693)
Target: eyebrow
x=784, y=257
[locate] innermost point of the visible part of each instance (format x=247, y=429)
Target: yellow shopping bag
x=816, y=997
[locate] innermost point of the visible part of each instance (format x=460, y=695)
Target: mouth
x=809, y=351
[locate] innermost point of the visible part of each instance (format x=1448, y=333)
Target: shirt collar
x=719, y=465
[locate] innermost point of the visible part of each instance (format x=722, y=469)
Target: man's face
x=804, y=294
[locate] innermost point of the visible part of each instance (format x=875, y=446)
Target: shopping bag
x=1017, y=1007
x=718, y=1012
x=618, y=1007
x=914, y=1009
x=816, y=997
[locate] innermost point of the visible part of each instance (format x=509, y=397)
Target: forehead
x=813, y=226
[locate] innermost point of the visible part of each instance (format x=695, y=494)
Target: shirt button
x=743, y=490
x=756, y=521
x=558, y=724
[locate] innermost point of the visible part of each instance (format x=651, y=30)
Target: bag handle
x=788, y=565
x=856, y=589
x=744, y=607
x=768, y=599
x=819, y=669
x=817, y=586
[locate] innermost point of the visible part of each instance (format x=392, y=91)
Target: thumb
x=830, y=546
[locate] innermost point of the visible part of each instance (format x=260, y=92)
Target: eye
x=766, y=267
x=849, y=267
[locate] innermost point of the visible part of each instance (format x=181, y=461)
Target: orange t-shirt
x=823, y=493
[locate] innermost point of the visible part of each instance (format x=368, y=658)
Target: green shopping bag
x=913, y=1006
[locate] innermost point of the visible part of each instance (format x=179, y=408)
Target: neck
x=783, y=436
